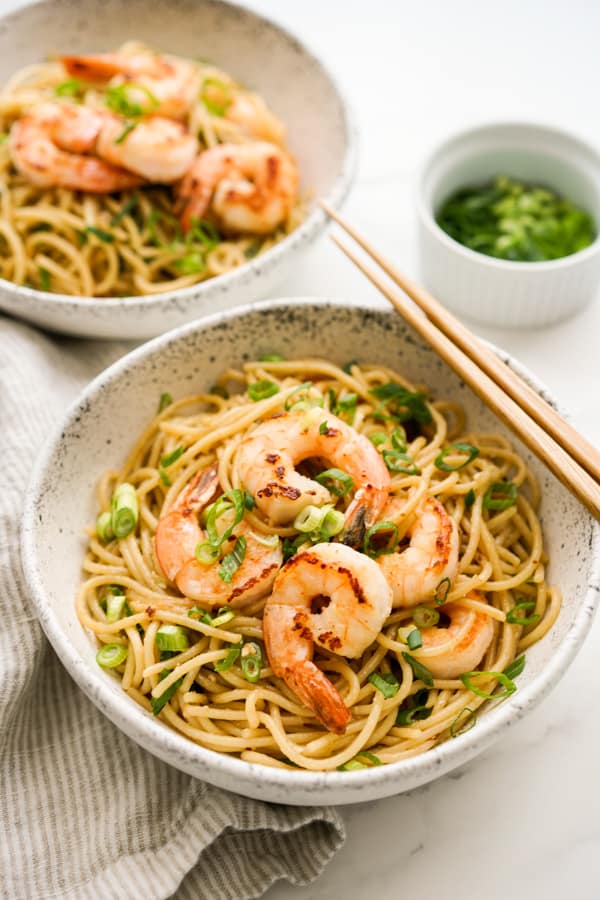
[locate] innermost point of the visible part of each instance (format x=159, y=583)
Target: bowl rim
x=152, y=734
x=441, y=149
x=314, y=222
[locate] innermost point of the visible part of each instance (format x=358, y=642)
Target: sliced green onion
x=165, y=400
x=469, y=498
x=115, y=607
x=500, y=495
x=230, y=500
x=508, y=685
x=271, y=357
x=414, y=639
x=214, y=107
x=267, y=540
x=374, y=546
x=400, y=462
x=441, y=591
x=170, y=458
x=354, y=764
x=105, y=236
x=197, y=612
x=119, y=100
x=260, y=390
x=386, y=682
x=125, y=510
x=158, y=703
x=405, y=404
x=414, y=708
x=45, y=278
x=290, y=401
x=333, y=523
x=323, y=428
x=336, y=481
x=514, y=669
x=68, y=88
x=419, y=670
x=233, y=560
x=459, y=726
x=378, y=438
x=251, y=661
x=513, y=617
x=204, y=232
x=399, y=439
x=129, y=126
x=228, y=661
x=191, y=263
x=425, y=617
x=206, y=553
x=172, y=637
x=310, y=518
x=249, y=501
x=291, y=546
x=111, y=655
x=164, y=478
x=127, y=208
x=104, y=527
x=347, y=406
x=224, y=615
x=440, y=460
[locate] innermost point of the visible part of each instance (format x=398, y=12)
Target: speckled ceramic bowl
x=98, y=432
x=259, y=54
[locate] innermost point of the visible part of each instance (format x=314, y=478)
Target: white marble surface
x=523, y=820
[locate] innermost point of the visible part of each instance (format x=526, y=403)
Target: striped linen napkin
x=84, y=811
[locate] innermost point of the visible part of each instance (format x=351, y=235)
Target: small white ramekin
x=494, y=291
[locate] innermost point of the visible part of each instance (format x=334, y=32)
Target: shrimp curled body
x=268, y=456
x=177, y=535
x=332, y=596
x=247, y=187
x=432, y=556
x=448, y=652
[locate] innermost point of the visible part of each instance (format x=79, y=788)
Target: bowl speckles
x=100, y=429
x=259, y=54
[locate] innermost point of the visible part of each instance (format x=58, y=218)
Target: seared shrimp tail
x=320, y=695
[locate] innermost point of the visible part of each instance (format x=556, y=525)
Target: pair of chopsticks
x=568, y=455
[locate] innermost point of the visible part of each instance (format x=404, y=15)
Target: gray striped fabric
x=85, y=812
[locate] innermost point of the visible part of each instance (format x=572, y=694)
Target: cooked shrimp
x=156, y=148
x=332, y=596
x=448, y=652
x=251, y=113
x=432, y=556
x=247, y=187
x=47, y=145
x=165, y=84
x=267, y=458
x=177, y=535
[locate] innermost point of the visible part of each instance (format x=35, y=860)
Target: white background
x=523, y=820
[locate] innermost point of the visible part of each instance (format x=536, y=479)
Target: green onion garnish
x=260, y=390
x=508, y=685
x=233, y=560
x=127, y=208
x=404, y=404
x=323, y=428
x=310, y=518
x=354, y=764
x=216, y=96
x=291, y=545
x=414, y=640
x=249, y=501
x=454, y=449
x=380, y=539
x=204, y=233
x=346, y=406
x=230, y=500
x=105, y=236
x=191, y=263
x=111, y=655
x=158, y=703
x=399, y=439
x=400, y=462
x=332, y=524
x=514, y=669
x=419, y=670
x=172, y=637
x=424, y=617
x=118, y=99
x=469, y=498
x=336, y=481
x=500, y=495
x=129, y=126
x=378, y=438
x=441, y=591
x=68, y=88
x=302, y=392
x=125, y=510
x=459, y=726
x=251, y=661
x=115, y=607
x=414, y=708
x=513, y=617
x=45, y=278
x=271, y=357
x=386, y=682
x=165, y=400
x=104, y=527
x=206, y=553
x=170, y=458
x=228, y=661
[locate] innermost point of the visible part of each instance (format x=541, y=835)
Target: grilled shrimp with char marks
x=449, y=651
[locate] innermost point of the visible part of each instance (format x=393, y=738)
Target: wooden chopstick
x=547, y=418
x=555, y=457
